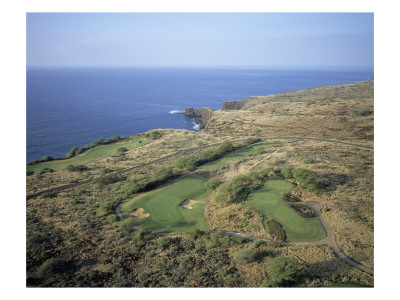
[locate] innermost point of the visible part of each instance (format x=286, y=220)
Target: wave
x=196, y=126
x=176, y=111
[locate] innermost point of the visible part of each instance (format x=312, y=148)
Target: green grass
x=218, y=164
x=163, y=206
x=269, y=203
x=93, y=154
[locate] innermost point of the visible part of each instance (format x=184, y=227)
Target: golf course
x=175, y=207
x=252, y=150
x=90, y=155
x=269, y=203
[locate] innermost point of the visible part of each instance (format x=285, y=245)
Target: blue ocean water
x=69, y=107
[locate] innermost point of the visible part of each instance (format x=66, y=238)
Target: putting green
x=218, y=164
x=163, y=205
x=269, y=203
x=90, y=155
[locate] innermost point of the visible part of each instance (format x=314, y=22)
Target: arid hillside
x=76, y=238
x=335, y=112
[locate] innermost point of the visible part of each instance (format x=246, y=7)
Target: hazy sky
x=200, y=39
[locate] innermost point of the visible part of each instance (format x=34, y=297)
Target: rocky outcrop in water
x=202, y=116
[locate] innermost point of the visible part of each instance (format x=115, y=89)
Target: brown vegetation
x=100, y=251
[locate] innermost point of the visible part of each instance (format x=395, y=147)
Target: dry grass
x=345, y=172
x=331, y=112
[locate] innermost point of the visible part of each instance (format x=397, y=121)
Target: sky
x=200, y=39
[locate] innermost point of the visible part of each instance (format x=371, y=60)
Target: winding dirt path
x=69, y=186
x=329, y=240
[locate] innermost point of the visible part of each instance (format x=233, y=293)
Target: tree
x=186, y=164
x=282, y=271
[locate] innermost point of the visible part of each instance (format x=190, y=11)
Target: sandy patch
x=123, y=142
x=139, y=213
x=187, y=204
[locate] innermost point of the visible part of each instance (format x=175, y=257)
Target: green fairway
x=90, y=155
x=218, y=164
x=269, y=203
x=163, y=205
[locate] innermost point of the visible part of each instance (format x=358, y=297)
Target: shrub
x=51, y=267
x=162, y=174
x=121, y=151
x=240, y=186
x=132, y=188
x=186, y=164
x=112, y=219
x=212, y=184
x=108, y=179
x=72, y=152
x=243, y=256
x=225, y=147
x=78, y=168
x=164, y=241
x=46, y=170
x=250, y=141
x=154, y=135
x=106, y=170
x=29, y=173
x=52, y=194
x=282, y=271
x=46, y=158
x=114, y=139
x=287, y=172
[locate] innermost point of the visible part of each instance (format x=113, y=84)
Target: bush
x=154, y=135
x=78, y=168
x=240, y=186
x=250, y=141
x=304, y=177
x=108, y=179
x=112, y=219
x=106, y=170
x=282, y=271
x=46, y=170
x=186, y=164
x=29, y=173
x=132, y=188
x=51, y=267
x=46, y=158
x=114, y=139
x=243, y=256
x=212, y=184
x=164, y=241
x=287, y=172
x=121, y=151
x=72, y=152
x=52, y=194
x=225, y=147
x=162, y=174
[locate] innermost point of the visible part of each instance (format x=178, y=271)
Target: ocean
x=69, y=107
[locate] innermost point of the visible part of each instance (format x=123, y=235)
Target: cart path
x=69, y=186
x=329, y=240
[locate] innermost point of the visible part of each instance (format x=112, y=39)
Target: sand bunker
x=187, y=204
x=139, y=213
